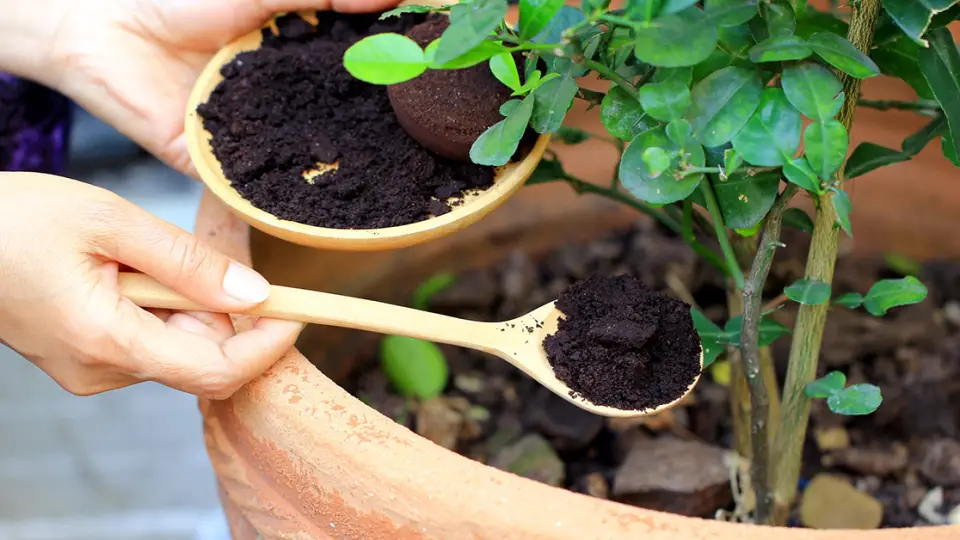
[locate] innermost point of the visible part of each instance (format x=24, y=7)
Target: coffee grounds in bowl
x=623, y=345
x=289, y=105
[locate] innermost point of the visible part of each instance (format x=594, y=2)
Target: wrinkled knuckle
x=220, y=386
x=189, y=255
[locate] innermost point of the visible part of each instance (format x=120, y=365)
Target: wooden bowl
x=508, y=179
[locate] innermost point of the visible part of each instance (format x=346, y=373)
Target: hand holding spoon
x=518, y=341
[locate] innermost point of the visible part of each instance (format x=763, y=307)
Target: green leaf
x=814, y=90
x=470, y=24
x=780, y=20
x=900, y=59
x=535, y=15
x=683, y=75
x=717, y=60
x=429, y=288
x=547, y=170
x=798, y=172
x=779, y=49
x=622, y=115
x=736, y=39
x=914, y=144
x=499, y=142
x=868, y=157
x=745, y=199
x=479, y=54
x=826, y=146
x=640, y=181
x=571, y=135
x=769, y=331
x=913, y=16
x=950, y=150
x=841, y=204
x=674, y=6
x=396, y=12
x=902, y=265
x=941, y=67
x=826, y=386
x=850, y=300
x=642, y=10
x=385, y=59
x=679, y=131
x=772, y=135
x=855, y=400
x=841, y=54
x=723, y=103
x=798, y=219
x=666, y=101
x=508, y=107
x=709, y=336
x=565, y=17
x=734, y=12
x=678, y=40
x=552, y=100
x=890, y=293
x=504, y=68
x=809, y=292
x=416, y=368
x=657, y=160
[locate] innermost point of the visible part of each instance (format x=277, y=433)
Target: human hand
x=62, y=245
x=134, y=62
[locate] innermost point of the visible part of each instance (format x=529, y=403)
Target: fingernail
x=245, y=285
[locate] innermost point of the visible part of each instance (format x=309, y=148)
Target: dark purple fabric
x=34, y=127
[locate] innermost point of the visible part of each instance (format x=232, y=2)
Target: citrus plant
x=723, y=111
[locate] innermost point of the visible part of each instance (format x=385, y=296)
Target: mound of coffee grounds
x=447, y=110
x=623, y=345
x=289, y=105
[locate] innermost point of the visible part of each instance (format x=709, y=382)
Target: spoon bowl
x=471, y=208
x=518, y=341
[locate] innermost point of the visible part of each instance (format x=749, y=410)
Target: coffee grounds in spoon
x=290, y=104
x=623, y=345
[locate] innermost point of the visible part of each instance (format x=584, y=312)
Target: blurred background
x=129, y=464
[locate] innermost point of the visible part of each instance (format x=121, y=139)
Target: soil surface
x=447, y=110
x=677, y=460
x=289, y=106
x=623, y=345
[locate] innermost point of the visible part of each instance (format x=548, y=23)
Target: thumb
x=178, y=259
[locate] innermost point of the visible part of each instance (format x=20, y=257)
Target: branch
x=611, y=75
x=892, y=104
x=750, y=351
x=808, y=333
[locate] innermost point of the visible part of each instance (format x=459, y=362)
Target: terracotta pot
x=298, y=457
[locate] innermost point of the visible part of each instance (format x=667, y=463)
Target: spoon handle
x=333, y=310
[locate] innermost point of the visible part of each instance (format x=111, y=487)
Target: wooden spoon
x=518, y=341
x=474, y=206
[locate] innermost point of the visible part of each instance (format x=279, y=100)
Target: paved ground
x=126, y=465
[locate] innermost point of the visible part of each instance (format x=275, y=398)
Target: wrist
x=28, y=38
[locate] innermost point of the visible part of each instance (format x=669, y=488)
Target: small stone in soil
x=830, y=502
x=871, y=461
x=567, y=426
x=439, y=421
x=290, y=105
x=531, y=457
x=940, y=462
x=623, y=345
x=673, y=475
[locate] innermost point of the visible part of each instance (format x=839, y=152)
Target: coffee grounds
x=623, y=345
x=446, y=110
x=291, y=104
